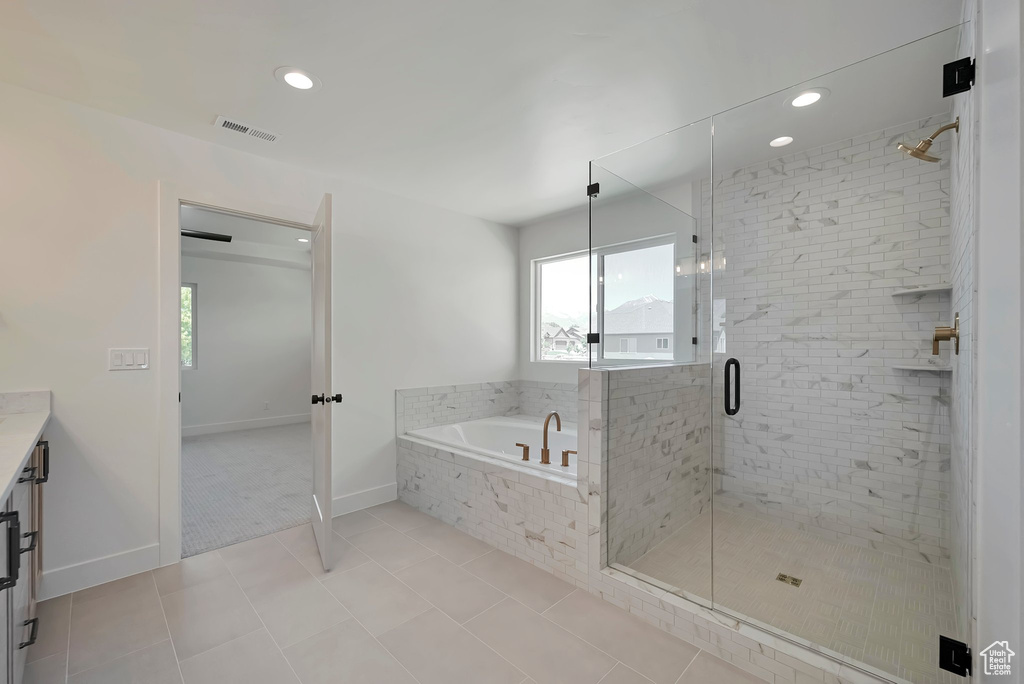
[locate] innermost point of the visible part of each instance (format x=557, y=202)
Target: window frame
x=537, y=343
x=195, y=326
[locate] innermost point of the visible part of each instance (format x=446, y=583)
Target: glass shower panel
x=831, y=424
x=646, y=289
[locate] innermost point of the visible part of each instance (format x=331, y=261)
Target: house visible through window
x=188, y=325
x=562, y=307
x=662, y=343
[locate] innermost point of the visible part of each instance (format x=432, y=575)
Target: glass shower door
x=830, y=416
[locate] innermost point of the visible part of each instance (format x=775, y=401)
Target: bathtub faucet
x=545, y=453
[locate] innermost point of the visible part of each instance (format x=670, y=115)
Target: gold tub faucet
x=545, y=453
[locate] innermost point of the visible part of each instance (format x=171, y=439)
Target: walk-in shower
x=797, y=459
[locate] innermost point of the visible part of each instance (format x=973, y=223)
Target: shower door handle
x=731, y=410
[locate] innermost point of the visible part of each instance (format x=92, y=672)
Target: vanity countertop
x=23, y=415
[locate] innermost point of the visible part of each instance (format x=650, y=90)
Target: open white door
x=321, y=381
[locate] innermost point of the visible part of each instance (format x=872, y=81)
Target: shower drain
x=789, y=579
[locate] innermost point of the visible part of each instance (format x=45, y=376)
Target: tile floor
x=872, y=607
x=410, y=600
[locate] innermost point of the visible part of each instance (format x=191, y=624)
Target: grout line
x=170, y=637
x=67, y=654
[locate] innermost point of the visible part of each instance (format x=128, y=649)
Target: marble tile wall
x=659, y=455
x=428, y=406
x=541, y=520
x=963, y=279
x=831, y=438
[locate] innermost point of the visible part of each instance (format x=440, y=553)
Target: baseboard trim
x=357, y=501
x=60, y=581
x=214, y=428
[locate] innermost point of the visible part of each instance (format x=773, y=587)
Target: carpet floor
x=241, y=485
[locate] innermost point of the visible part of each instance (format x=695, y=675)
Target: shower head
x=921, y=151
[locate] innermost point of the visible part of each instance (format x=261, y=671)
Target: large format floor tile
x=345, y=654
x=650, y=651
x=539, y=647
x=429, y=608
x=375, y=597
x=109, y=623
x=252, y=659
x=531, y=585
x=436, y=650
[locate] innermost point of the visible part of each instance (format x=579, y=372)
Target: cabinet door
x=22, y=606
x=5, y=608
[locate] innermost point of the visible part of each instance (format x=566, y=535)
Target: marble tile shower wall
x=428, y=406
x=963, y=282
x=658, y=455
x=831, y=438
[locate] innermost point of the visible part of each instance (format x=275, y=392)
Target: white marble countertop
x=23, y=415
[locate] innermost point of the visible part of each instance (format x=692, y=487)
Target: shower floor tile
x=872, y=607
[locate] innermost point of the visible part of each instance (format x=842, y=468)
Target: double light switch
x=128, y=359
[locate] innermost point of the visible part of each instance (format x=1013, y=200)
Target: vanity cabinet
x=21, y=564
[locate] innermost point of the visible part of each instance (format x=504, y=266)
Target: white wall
x=78, y=274
x=252, y=346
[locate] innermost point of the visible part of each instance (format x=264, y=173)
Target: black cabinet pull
x=318, y=399
x=730, y=409
x=45, y=444
x=33, y=634
x=34, y=536
x=13, y=549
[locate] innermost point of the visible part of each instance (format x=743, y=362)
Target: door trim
x=167, y=354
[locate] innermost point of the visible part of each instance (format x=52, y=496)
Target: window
x=188, y=325
x=635, y=295
x=562, y=288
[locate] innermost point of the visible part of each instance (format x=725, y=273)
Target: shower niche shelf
x=923, y=367
x=924, y=289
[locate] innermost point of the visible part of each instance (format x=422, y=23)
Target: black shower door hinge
x=693, y=340
x=694, y=239
x=954, y=656
x=593, y=189
x=957, y=77
x=593, y=338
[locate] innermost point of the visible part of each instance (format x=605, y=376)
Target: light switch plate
x=127, y=359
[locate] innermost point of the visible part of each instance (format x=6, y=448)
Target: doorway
x=246, y=447
x=245, y=335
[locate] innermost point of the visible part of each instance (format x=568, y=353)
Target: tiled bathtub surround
x=658, y=455
x=831, y=438
x=428, y=406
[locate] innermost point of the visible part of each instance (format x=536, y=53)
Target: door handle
x=318, y=399
x=33, y=634
x=731, y=410
x=13, y=549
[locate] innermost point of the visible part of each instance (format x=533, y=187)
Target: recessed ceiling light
x=297, y=78
x=808, y=97
x=781, y=141
x=302, y=239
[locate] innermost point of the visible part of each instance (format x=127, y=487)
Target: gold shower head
x=920, y=152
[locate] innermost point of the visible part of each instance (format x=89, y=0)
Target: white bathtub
x=496, y=438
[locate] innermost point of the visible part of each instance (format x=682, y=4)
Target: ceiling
x=484, y=107
x=251, y=240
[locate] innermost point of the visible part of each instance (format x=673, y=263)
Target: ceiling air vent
x=244, y=128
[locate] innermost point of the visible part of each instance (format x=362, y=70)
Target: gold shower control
x=943, y=333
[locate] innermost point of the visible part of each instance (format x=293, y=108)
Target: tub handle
x=565, y=457
x=526, y=450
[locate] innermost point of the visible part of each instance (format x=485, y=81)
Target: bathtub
x=496, y=438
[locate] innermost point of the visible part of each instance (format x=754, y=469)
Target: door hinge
x=954, y=656
x=693, y=340
x=593, y=338
x=593, y=189
x=694, y=239
x=957, y=77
